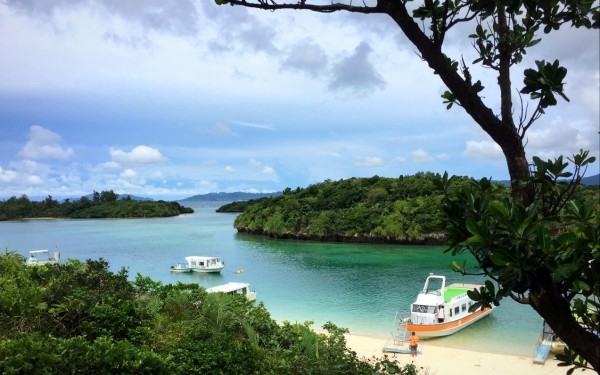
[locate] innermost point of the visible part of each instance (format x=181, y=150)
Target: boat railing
x=400, y=334
x=401, y=319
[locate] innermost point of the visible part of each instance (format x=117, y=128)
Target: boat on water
x=205, y=264
x=40, y=257
x=180, y=268
x=441, y=310
x=548, y=343
x=235, y=288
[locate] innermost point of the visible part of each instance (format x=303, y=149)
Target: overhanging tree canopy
x=503, y=31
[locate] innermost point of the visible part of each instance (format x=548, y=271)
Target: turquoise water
x=356, y=286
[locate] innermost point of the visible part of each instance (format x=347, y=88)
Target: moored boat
x=234, y=288
x=180, y=268
x=205, y=264
x=441, y=310
x=39, y=257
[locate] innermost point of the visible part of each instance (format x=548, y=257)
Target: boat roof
x=455, y=290
x=38, y=251
x=229, y=287
x=200, y=257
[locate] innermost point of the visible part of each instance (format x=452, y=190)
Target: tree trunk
x=518, y=169
x=556, y=311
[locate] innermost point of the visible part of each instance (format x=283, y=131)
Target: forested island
x=399, y=210
x=105, y=204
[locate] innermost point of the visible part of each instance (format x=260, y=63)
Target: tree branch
x=302, y=5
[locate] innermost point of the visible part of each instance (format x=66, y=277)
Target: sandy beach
x=439, y=360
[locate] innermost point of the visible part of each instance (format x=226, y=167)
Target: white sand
x=439, y=360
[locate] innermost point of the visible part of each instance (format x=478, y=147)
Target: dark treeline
x=81, y=318
x=406, y=209
x=105, y=204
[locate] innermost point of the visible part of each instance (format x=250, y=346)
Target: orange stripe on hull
x=432, y=330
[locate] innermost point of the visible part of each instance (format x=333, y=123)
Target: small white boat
x=428, y=321
x=39, y=257
x=205, y=264
x=181, y=268
x=234, y=288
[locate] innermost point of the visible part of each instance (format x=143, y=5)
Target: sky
x=173, y=98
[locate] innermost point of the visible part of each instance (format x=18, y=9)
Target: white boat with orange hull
x=441, y=310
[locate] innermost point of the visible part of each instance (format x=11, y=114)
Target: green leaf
x=500, y=208
x=500, y=259
x=472, y=226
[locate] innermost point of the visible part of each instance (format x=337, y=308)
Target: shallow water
x=357, y=286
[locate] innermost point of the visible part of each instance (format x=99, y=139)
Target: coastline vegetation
x=407, y=209
x=105, y=204
x=80, y=318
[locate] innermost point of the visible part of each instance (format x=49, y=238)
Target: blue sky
x=169, y=99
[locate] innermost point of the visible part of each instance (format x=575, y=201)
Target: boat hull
x=447, y=328
x=207, y=269
x=181, y=270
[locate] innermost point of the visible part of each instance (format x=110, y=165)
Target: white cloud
x=421, y=156
x=268, y=170
x=44, y=144
x=138, y=155
x=128, y=174
x=252, y=125
x=35, y=180
x=7, y=175
x=482, y=150
x=307, y=57
x=561, y=137
x=229, y=169
x=368, y=162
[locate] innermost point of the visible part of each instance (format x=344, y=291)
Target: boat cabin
x=205, y=264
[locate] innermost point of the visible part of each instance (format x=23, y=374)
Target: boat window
x=456, y=310
x=464, y=307
x=423, y=309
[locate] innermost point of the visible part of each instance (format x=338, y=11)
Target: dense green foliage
x=102, y=205
x=376, y=209
x=238, y=206
x=80, y=318
x=407, y=209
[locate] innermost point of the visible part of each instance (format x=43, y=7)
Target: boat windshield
x=423, y=309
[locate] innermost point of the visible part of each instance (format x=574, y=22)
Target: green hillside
x=375, y=210
x=400, y=210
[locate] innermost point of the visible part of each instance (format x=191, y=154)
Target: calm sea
x=360, y=287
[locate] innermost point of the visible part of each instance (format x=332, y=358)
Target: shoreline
x=440, y=360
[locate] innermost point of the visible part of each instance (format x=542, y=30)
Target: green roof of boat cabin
x=454, y=291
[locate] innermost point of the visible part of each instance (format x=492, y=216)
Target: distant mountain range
x=590, y=180
x=228, y=197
